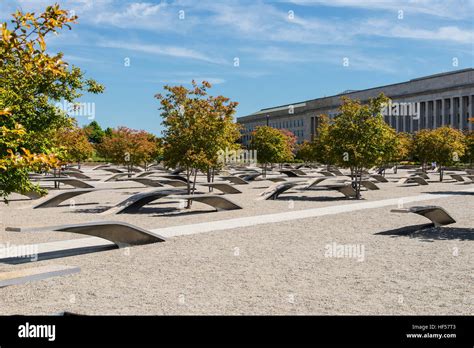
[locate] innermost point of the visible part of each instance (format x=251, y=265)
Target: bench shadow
x=59, y=254
x=95, y=210
x=430, y=233
x=309, y=199
x=460, y=193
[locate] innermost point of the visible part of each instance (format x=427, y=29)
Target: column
x=471, y=114
x=464, y=112
x=422, y=121
x=430, y=114
x=455, y=113
x=407, y=121
x=438, y=113
x=451, y=112
x=443, y=112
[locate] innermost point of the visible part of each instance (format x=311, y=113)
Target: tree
x=448, y=146
x=322, y=142
x=305, y=151
x=198, y=127
x=359, y=137
x=129, y=147
x=94, y=132
x=398, y=150
x=423, y=147
x=74, y=144
x=272, y=146
x=14, y=166
x=31, y=81
x=469, y=142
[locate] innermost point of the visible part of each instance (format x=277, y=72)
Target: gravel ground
x=275, y=268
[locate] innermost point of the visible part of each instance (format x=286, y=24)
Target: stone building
x=425, y=102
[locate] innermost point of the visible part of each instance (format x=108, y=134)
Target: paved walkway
x=294, y=215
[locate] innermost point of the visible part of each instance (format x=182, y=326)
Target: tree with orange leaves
x=197, y=127
x=31, y=82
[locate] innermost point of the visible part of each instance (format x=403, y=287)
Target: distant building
x=426, y=102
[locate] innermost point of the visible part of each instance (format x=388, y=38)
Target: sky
x=258, y=53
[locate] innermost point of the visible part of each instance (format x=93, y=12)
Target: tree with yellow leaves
x=31, y=82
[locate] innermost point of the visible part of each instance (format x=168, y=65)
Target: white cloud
x=381, y=27
x=436, y=8
x=211, y=80
x=162, y=50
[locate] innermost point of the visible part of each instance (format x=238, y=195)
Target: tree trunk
x=188, y=186
x=358, y=181
x=441, y=173
x=209, y=178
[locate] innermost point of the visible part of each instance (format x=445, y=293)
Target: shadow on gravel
x=460, y=193
x=429, y=233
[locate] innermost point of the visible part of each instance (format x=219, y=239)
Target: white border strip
x=291, y=215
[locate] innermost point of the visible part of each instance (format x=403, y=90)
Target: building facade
x=426, y=102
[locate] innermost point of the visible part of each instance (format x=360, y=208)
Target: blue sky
x=288, y=51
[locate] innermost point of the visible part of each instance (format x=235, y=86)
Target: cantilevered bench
x=457, y=177
x=174, y=183
x=144, y=181
x=115, y=177
x=177, y=171
x=51, y=202
x=101, y=166
x=223, y=187
x=422, y=174
x=120, y=233
x=217, y=202
x=67, y=181
x=291, y=173
x=314, y=182
x=275, y=179
x=250, y=177
x=235, y=180
x=133, y=203
x=336, y=172
x=34, y=274
x=150, y=172
x=326, y=173
x=176, y=177
x=346, y=190
x=379, y=177
x=113, y=170
x=30, y=194
x=437, y=215
x=369, y=185
x=277, y=189
x=413, y=180
x=76, y=175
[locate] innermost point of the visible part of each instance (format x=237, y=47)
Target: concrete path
x=293, y=215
